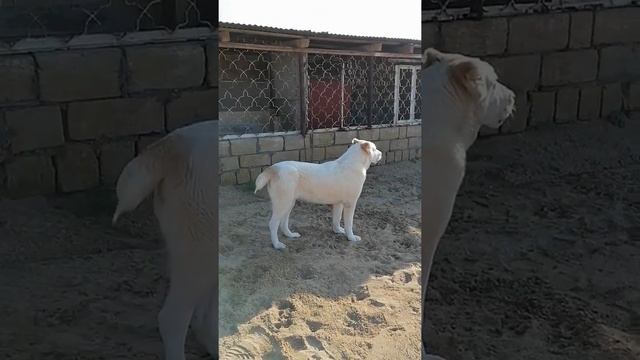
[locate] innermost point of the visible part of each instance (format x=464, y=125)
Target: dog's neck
x=352, y=156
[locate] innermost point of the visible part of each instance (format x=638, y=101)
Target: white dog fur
x=180, y=170
x=460, y=94
x=337, y=183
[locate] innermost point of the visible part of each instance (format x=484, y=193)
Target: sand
x=540, y=263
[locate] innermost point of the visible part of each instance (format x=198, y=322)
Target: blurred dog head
x=474, y=84
x=369, y=150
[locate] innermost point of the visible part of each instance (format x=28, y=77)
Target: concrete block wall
x=243, y=157
x=564, y=66
x=74, y=111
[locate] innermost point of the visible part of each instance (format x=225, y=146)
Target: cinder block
x=191, y=107
x=291, y=155
x=399, y=144
x=619, y=63
x=247, y=161
x=113, y=158
x=415, y=143
x=518, y=72
x=35, y=128
x=405, y=155
x=518, y=122
x=398, y=155
x=568, y=67
x=180, y=66
x=634, y=96
x=244, y=146
x=475, y=38
x=590, y=98
x=567, y=105
x=551, y=33
x=402, y=132
x=114, y=118
x=369, y=134
x=228, y=178
x=345, y=137
x=542, y=107
x=30, y=175
x=243, y=176
x=334, y=152
x=611, y=99
x=224, y=148
x=314, y=155
x=17, y=79
x=146, y=140
x=83, y=74
x=293, y=142
x=270, y=143
x=254, y=172
x=383, y=145
x=77, y=167
x=212, y=63
x=414, y=131
x=323, y=139
x=229, y=163
x=389, y=133
x=617, y=26
x=581, y=29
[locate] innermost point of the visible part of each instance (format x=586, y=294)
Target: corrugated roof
x=309, y=33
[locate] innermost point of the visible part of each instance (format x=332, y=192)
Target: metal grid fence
x=268, y=91
x=457, y=9
x=20, y=19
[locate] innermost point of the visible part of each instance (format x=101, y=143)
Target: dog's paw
x=292, y=235
x=354, y=238
x=279, y=246
x=338, y=230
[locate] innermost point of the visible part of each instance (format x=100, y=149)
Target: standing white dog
x=180, y=169
x=338, y=183
x=460, y=94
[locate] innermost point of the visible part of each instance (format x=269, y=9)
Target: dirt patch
x=541, y=258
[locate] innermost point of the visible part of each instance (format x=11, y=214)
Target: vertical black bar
x=169, y=14
x=370, y=91
x=301, y=84
x=208, y=11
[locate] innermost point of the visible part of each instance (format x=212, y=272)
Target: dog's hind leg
x=173, y=321
x=336, y=215
x=284, y=224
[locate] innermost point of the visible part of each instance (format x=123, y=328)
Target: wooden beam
x=404, y=48
x=297, y=43
x=247, y=46
x=224, y=36
x=369, y=47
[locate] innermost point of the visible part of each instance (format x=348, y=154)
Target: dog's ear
x=355, y=140
x=431, y=56
x=464, y=75
x=366, y=146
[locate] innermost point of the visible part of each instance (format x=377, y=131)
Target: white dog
x=180, y=170
x=460, y=94
x=338, y=183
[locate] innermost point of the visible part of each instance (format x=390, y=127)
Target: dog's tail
x=143, y=174
x=263, y=179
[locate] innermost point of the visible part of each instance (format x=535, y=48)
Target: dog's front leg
x=337, y=215
x=349, y=211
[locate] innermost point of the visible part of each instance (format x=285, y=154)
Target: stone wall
x=243, y=157
x=564, y=66
x=74, y=111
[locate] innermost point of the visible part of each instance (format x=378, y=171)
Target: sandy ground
x=542, y=257
x=540, y=263
x=323, y=297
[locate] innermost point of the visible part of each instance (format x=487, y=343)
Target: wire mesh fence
x=454, y=9
x=268, y=91
x=21, y=19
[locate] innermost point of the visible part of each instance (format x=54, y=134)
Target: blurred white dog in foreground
x=338, y=183
x=460, y=94
x=180, y=169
